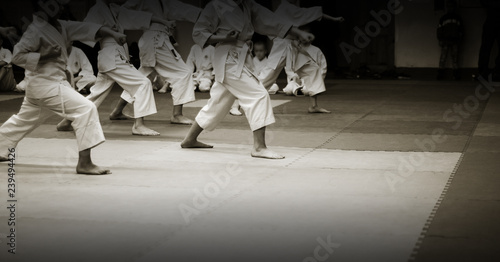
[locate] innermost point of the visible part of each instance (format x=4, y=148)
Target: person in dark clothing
x=491, y=33
x=450, y=34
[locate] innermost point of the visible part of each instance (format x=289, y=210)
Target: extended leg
x=314, y=108
x=117, y=113
x=180, y=77
x=260, y=149
x=87, y=167
x=191, y=139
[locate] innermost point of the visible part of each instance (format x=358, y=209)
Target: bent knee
x=88, y=107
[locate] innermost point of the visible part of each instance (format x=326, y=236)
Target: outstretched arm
x=6, y=32
x=108, y=32
x=303, y=36
x=339, y=19
x=170, y=24
x=230, y=37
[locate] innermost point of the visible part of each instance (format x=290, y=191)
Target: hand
x=170, y=24
x=51, y=52
x=3, y=31
x=232, y=36
x=78, y=78
x=120, y=38
x=305, y=38
x=10, y=33
x=339, y=19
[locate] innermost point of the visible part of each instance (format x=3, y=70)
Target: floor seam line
x=423, y=233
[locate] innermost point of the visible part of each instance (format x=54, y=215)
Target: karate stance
x=157, y=51
x=282, y=47
x=114, y=66
x=306, y=71
x=43, y=50
x=231, y=24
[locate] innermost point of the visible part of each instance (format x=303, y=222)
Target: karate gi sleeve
x=322, y=63
x=86, y=67
x=27, y=50
x=7, y=56
x=93, y=16
x=132, y=4
x=206, y=25
x=266, y=23
x=134, y=20
x=179, y=11
x=82, y=31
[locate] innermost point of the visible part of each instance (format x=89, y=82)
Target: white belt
x=245, y=47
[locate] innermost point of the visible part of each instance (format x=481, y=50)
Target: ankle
x=259, y=148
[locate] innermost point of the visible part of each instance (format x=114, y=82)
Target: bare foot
x=194, y=144
x=64, y=126
x=163, y=90
x=266, y=153
x=143, y=131
x=314, y=110
x=274, y=89
x=120, y=116
x=181, y=120
x=91, y=169
x=235, y=112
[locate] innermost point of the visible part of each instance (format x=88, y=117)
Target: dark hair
x=260, y=42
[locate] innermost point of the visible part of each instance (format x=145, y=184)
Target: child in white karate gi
x=200, y=62
x=158, y=53
x=282, y=47
x=81, y=70
x=43, y=51
x=115, y=67
x=306, y=70
x=230, y=24
x=260, y=62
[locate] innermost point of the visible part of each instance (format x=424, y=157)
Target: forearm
x=331, y=18
x=159, y=20
x=214, y=39
x=294, y=32
x=105, y=32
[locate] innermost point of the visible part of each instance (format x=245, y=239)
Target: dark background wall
x=408, y=41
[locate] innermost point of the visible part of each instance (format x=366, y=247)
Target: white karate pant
x=292, y=88
x=33, y=112
x=268, y=75
x=203, y=79
x=138, y=89
x=279, y=52
x=253, y=98
x=176, y=72
x=313, y=79
x=85, y=81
